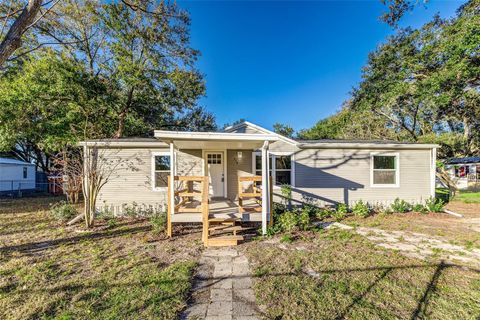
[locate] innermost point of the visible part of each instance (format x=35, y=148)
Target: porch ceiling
x=214, y=140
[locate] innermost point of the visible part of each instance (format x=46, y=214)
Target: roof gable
x=248, y=127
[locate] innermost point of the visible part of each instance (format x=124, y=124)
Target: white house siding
x=237, y=167
x=11, y=177
x=330, y=176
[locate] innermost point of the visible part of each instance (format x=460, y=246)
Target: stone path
x=416, y=245
x=223, y=287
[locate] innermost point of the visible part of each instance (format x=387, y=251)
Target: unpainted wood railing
x=187, y=193
x=255, y=193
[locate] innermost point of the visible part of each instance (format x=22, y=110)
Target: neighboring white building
x=464, y=170
x=16, y=175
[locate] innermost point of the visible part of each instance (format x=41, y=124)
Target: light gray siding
x=132, y=182
x=237, y=168
x=330, y=176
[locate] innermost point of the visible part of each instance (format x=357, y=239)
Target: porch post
x=265, y=187
x=172, y=179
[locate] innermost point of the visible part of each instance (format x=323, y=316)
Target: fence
x=22, y=188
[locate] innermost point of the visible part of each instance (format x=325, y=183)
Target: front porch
x=214, y=179
x=221, y=218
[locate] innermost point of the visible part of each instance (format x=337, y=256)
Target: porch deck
x=218, y=208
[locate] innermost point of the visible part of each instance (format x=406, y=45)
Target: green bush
x=434, y=205
x=323, y=213
x=304, y=219
x=419, y=208
x=158, y=222
x=63, y=211
x=288, y=221
x=361, y=209
x=342, y=208
x=401, y=206
x=339, y=215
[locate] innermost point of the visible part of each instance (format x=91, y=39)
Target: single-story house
x=16, y=176
x=464, y=170
x=224, y=175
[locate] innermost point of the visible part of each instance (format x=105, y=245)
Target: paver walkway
x=223, y=289
x=416, y=245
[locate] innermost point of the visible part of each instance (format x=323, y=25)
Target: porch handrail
x=185, y=194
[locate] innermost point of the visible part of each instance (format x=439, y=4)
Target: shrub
x=158, y=222
x=304, y=219
x=419, y=208
x=63, y=211
x=339, y=215
x=401, y=206
x=434, y=205
x=361, y=209
x=288, y=221
x=323, y=213
x=342, y=208
x=286, y=191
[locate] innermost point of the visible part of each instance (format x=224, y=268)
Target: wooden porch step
x=230, y=221
x=234, y=229
x=224, y=241
x=252, y=209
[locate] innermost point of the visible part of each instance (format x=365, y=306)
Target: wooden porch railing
x=187, y=193
x=256, y=194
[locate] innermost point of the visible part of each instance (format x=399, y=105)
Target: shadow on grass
x=418, y=313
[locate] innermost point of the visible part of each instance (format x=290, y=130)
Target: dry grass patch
x=113, y=272
x=338, y=274
x=461, y=231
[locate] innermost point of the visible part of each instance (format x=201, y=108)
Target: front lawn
x=116, y=271
x=468, y=196
x=337, y=274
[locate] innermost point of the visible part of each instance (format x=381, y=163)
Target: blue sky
x=289, y=62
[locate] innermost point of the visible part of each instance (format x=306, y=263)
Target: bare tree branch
x=13, y=38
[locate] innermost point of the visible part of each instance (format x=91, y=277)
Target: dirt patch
x=461, y=231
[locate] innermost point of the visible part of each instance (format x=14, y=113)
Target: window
x=161, y=170
x=25, y=172
x=384, y=170
x=214, y=158
x=280, y=168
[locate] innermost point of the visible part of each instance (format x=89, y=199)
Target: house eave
x=394, y=146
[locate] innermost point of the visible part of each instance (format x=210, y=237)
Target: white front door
x=216, y=175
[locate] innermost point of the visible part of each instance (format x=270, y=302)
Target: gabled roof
x=258, y=128
x=15, y=162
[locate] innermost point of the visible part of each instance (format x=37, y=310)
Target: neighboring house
x=323, y=172
x=16, y=176
x=465, y=171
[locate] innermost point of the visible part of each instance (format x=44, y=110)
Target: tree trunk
x=13, y=38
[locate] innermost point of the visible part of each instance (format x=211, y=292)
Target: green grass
x=48, y=271
x=468, y=196
x=342, y=275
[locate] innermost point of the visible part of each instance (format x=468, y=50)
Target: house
x=221, y=177
x=16, y=176
x=465, y=171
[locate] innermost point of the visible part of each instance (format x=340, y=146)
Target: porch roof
x=221, y=140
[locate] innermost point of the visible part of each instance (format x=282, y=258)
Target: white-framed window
x=384, y=170
x=25, y=172
x=160, y=170
x=280, y=167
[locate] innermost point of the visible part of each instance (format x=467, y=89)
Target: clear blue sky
x=289, y=62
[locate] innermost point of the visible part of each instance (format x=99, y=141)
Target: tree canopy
x=420, y=85
x=123, y=69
